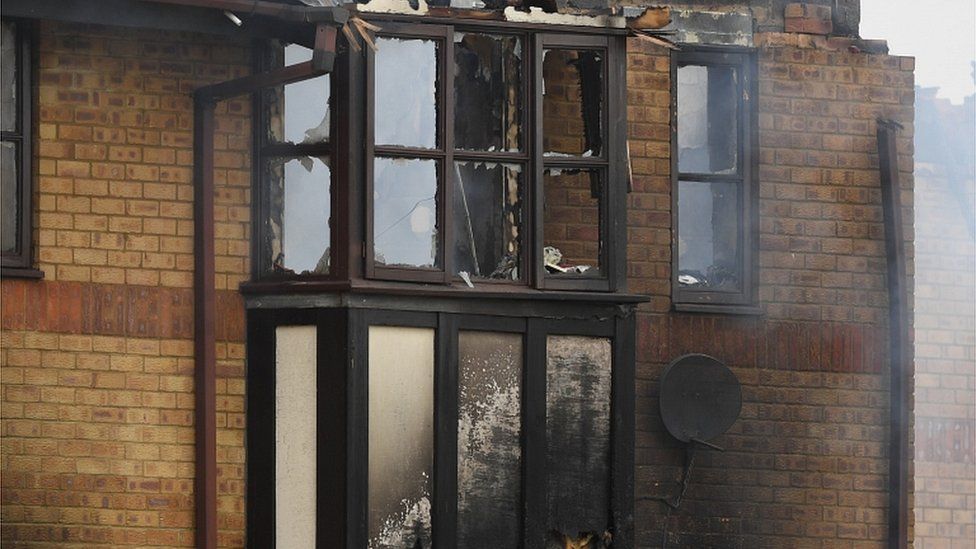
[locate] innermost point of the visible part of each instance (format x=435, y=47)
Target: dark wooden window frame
x=20, y=262
x=265, y=150
x=743, y=301
x=352, y=153
x=343, y=418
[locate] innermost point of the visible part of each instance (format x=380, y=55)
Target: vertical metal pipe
x=899, y=337
x=204, y=332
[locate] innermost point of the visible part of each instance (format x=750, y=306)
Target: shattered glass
x=405, y=220
x=488, y=91
x=489, y=435
x=401, y=437
x=572, y=102
x=298, y=112
x=300, y=210
x=488, y=219
x=708, y=133
x=8, y=76
x=406, y=92
x=578, y=392
x=572, y=221
x=708, y=235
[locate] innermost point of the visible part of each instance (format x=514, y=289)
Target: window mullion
x=446, y=236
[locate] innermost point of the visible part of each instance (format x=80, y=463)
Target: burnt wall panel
x=578, y=372
x=489, y=439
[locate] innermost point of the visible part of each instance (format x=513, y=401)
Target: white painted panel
x=401, y=436
x=295, y=434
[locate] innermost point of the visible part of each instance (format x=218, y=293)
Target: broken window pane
x=9, y=206
x=8, y=76
x=405, y=220
x=299, y=112
x=572, y=102
x=707, y=119
x=487, y=92
x=406, y=92
x=708, y=235
x=300, y=210
x=488, y=219
x=578, y=374
x=572, y=221
x=401, y=436
x=489, y=434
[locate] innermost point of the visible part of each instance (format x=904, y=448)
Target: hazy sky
x=940, y=34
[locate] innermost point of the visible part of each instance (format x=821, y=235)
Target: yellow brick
x=73, y=273
x=40, y=340
x=75, y=343
x=108, y=275
x=141, y=277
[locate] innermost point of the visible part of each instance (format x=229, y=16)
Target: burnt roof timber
x=291, y=23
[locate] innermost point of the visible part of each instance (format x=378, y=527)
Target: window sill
x=21, y=272
x=718, y=308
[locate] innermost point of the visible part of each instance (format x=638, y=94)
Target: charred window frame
x=16, y=140
x=605, y=167
x=714, y=171
x=286, y=152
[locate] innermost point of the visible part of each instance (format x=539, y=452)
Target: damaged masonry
x=404, y=274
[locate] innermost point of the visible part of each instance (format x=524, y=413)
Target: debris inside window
x=405, y=217
x=401, y=437
x=489, y=439
x=406, y=92
x=709, y=256
x=708, y=102
x=300, y=214
x=299, y=112
x=488, y=219
x=487, y=92
x=572, y=102
x=572, y=221
x=578, y=393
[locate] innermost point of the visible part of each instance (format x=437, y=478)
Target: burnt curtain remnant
x=578, y=374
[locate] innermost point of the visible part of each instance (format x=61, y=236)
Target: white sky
x=940, y=34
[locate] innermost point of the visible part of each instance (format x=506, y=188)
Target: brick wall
x=945, y=430
x=806, y=464
x=97, y=396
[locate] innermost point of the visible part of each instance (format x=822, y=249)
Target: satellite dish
x=700, y=398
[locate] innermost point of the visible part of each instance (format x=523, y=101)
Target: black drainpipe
x=205, y=99
x=899, y=336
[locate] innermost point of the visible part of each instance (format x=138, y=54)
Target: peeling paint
x=401, y=7
x=538, y=16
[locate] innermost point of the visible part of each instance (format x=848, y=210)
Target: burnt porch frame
x=343, y=415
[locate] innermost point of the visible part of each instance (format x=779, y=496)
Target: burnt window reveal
x=15, y=155
x=713, y=172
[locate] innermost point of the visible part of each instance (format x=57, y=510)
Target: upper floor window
x=714, y=187
x=488, y=158
x=15, y=145
x=469, y=156
x=295, y=159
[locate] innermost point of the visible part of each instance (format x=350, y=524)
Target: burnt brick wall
x=806, y=463
x=97, y=358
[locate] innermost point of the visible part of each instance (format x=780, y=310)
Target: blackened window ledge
x=718, y=308
x=21, y=272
